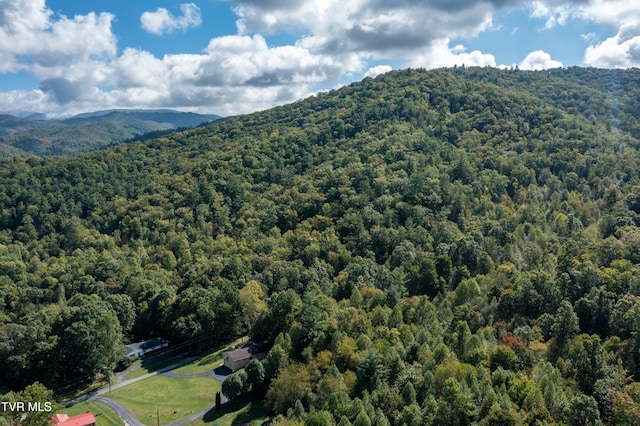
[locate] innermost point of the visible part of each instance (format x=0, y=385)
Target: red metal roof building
x=84, y=419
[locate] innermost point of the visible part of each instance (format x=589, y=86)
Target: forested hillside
x=89, y=131
x=426, y=247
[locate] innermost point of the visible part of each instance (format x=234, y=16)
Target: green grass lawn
x=154, y=363
x=209, y=361
x=173, y=398
x=105, y=416
x=234, y=414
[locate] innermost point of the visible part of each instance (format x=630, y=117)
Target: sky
x=228, y=57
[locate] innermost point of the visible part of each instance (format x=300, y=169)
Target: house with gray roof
x=140, y=349
x=239, y=358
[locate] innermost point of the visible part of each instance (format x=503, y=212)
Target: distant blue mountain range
x=31, y=134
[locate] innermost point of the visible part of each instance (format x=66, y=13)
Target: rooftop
x=246, y=351
x=79, y=420
x=147, y=344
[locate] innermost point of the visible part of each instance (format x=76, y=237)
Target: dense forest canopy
x=426, y=247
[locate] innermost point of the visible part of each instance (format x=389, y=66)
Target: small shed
x=84, y=419
x=140, y=349
x=238, y=358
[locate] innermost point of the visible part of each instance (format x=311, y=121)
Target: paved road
x=127, y=382
x=219, y=374
x=146, y=376
x=119, y=409
x=131, y=420
x=192, y=417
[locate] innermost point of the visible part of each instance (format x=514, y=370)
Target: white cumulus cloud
x=162, y=21
x=375, y=28
x=233, y=75
x=539, y=60
x=614, y=13
x=31, y=36
x=80, y=66
x=554, y=14
x=439, y=54
x=377, y=70
x=619, y=51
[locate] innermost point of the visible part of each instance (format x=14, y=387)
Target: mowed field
x=105, y=416
x=172, y=399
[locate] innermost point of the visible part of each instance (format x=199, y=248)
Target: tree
x=500, y=416
x=88, y=338
x=124, y=309
x=344, y=421
x=211, y=310
x=235, y=385
x=381, y=419
x=316, y=309
x=409, y=393
x=23, y=349
x=455, y=407
x=566, y=324
x=347, y=354
x=362, y=419
x=10, y=417
x=298, y=410
x=36, y=394
x=462, y=334
x=412, y=415
x=331, y=385
x=466, y=290
x=256, y=375
x=549, y=380
x=422, y=277
x=372, y=371
x=582, y=410
x=319, y=418
x=293, y=383
x=503, y=356
x=625, y=410
x=284, y=308
x=588, y=359
x=276, y=360
x=218, y=401
x=252, y=302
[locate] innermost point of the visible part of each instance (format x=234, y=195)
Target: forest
x=39, y=136
x=447, y=247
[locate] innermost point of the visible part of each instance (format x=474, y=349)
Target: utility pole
x=158, y=415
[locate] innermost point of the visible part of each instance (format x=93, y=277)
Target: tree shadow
x=254, y=412
x=156, y=362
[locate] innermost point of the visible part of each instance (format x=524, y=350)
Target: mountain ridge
x=452, y=246
x=88, y=131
